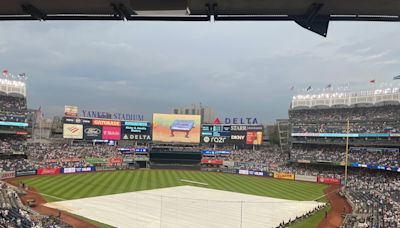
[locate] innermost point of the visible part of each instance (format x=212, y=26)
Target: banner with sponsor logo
x=251, y=172
x=92, y=132
x=238, y=137
x=21, y=173
x=73, y=131
x=305, y=178
x=76, y=120
x=70, y=110
x=115, y=160
x=7, y=175
x=95, y=160
x=254, y=138
x=229, y=163
x=138, y=131
x=111, y=133
x=141, y=159
x=285, y=176
x=111, y=123
x=48, y=171
x=171, y=128
x=328, y=180
x=212, y=161
x=78, y=169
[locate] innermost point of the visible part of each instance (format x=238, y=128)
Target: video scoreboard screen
x=216, y=130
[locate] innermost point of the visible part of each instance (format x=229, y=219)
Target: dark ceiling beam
x=309, y=21
x=34, y=12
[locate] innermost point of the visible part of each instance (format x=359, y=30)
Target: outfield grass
x=75, y=186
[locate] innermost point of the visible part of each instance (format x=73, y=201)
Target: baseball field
x=69, y=187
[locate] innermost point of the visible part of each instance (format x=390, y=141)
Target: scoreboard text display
x=231, y=134
x=139, y=131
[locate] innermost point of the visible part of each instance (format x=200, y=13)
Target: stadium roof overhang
x=314, y=15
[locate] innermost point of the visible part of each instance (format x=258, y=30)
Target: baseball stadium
x=333, y=159
x=336, y=165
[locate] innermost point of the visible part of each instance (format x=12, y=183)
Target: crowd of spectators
x=376, y=119
x=265, y=159
x=12, y=103
x=370, y=156
x=299, y=218
x=10, y=144
x=376, y=198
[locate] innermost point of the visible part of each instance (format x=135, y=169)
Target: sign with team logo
x=92, y=132
x=73, y=131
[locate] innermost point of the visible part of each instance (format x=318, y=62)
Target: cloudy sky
x=241, y=69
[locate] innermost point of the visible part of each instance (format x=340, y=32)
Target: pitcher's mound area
x=186, y=206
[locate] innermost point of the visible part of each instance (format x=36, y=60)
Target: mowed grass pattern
x=75, y=186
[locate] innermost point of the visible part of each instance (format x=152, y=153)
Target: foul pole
x=347, y=152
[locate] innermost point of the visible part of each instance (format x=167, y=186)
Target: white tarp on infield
x=186, y=206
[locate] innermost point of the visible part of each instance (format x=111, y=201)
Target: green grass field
x=75, y=186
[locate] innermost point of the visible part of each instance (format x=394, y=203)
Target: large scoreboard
x=232, y=134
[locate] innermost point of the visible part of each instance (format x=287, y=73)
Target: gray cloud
x=239, y=68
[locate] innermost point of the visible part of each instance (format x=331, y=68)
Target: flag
x=21, y=75
x=292, y=88
x=309, y=88
x=329, y=86
x=372, y=81
x=396, y=77
x=5, y=72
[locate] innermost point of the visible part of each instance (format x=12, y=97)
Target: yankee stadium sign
x=110, y=115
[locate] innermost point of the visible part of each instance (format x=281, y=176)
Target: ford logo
x=92, y=131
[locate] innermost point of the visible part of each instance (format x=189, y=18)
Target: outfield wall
x=246, y=172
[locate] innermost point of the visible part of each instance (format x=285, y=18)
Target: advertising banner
x=95, y=160
x=328, y=180
x=73, y=120
x=85, y=169
x=285, y=176
x=254, y=138
x=229, y=163
x=48, y=171
x=112, y=123
x=92, y=132
x=212, y=161
x=251, y=172
x=305, y=178
x=238, y=137
x=215, y=139
x=115, y=160
x=21, y=173
x=68, y=170
x=111, y=133
x=171, y=128
x=7, y=175
x=70, y=110
x=142, y=159
x=73, y=131
x=138, y=131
